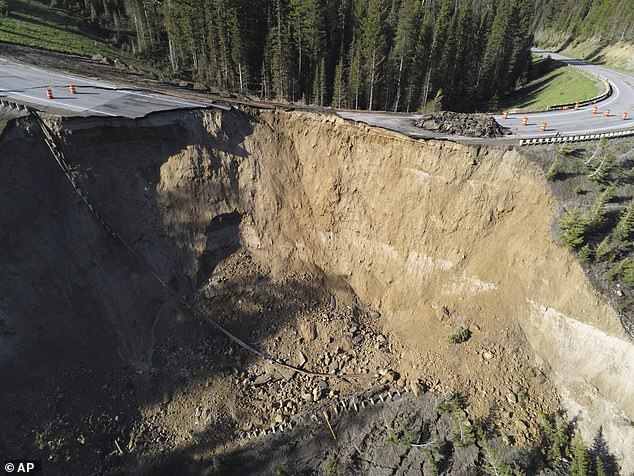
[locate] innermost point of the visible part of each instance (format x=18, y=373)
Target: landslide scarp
x=360, y=249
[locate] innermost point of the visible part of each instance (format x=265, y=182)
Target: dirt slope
x=264, y=215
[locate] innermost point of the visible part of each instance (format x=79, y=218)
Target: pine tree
x=572, y=226
x=597, y=214
x=373, y=45
x=339, y=89
x=581, y=464
x=625, y=227
x=402, y=55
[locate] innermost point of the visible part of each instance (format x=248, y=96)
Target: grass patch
x=32, y=23
x=3, y=124
x=618, y=56
x=557, y=85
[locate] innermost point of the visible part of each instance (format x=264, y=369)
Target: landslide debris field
x=420, y=279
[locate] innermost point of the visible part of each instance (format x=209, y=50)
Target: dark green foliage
x=585, y=254
x=581, y=463
x=572, y=225
x=605, y=20
x=402, y=437
x=600, y=173
x=625, y=227
x=597, y=214
x=333, y=467
x=556, y=438
x=450, y=405
x=494, y=464
x=431, y=465
x=463, y=433
x=605, y=250
x=371, y=54
x=4, y=7
x=461, y=335
x=623, y=271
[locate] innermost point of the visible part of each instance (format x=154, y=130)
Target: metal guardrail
x=14, y=105
x=575, y=138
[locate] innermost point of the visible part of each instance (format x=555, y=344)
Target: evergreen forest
x=396, y=55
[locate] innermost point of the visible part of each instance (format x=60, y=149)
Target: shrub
x=461, y=335
x=600, y=174
x=596, y=215
x=625, y=226
x=401, y=437
x=604, y=250
x=566, y=149
x=332, y=467
x=623, y=271
x=553, y=171
x=556, y=437
x=585, y=254
x=572, y=226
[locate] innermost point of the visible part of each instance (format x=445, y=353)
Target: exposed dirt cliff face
x=430, y=236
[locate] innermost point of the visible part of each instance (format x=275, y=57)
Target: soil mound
x=462, y=124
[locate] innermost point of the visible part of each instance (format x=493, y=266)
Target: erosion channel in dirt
x=335, y=247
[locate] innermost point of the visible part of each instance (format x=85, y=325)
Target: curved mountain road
x=571, y=122
x=25, y=84
x=559, y=123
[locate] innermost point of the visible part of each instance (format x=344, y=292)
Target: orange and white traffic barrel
x=525, y=120
x=49, y=93
x=543, y=126
x=595, y=109
x=624, y=115
x=71, y=88
x=606, y=113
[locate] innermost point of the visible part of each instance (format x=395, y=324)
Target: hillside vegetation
x=374, y=54
x=554, y=84
x=566, y=21
x=601, y=31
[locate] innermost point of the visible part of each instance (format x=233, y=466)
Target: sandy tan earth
x=361, y=249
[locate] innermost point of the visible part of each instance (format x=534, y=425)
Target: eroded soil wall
x=433, y=235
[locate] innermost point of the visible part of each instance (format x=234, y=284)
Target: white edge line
x=106, y=85
x=57, y=101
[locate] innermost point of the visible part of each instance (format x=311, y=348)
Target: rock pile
x=471, y=125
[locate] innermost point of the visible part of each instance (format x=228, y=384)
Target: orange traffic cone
x=525, y=120
x=49, y=93
x=625, y=115
x=606, y=113
x=595, y=109
x=543, y=126
x=71, y=88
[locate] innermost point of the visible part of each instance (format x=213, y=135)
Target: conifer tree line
x=608, y=21
x=394, y=55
